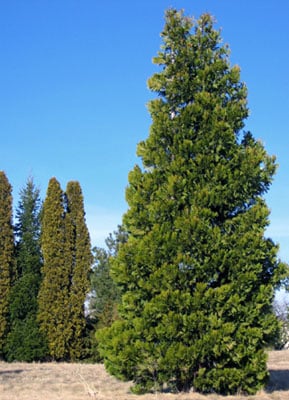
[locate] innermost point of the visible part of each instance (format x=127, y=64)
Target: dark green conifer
x=104, y=295
x=197, y=273
x=80, y=259
x=7, y=263
x=24, y=342
x=53, y=298
x=104, y=298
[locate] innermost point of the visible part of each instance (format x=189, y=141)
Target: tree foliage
x=104, y=297
x=53, y=298
x=67, y=261
x=80, y=258
x=7, y=263
x=24, y=342
x=197, y=274
x=281, y=307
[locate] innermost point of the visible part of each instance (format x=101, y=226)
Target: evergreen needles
x=67, y=260
x=197, y=275
x=7, y=261
x=45, y=262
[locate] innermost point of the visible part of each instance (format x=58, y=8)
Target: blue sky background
x=73, y=93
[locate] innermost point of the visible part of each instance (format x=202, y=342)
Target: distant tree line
x=46, y=269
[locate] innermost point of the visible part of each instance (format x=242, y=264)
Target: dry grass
x=21, y=381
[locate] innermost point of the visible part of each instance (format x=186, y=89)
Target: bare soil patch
x=59, y=381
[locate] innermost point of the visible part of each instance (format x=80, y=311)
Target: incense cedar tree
x=7, y=263
x=197, y=275
x=67, y=261
x=24, y=341
x=53, y=297
x=80, y=258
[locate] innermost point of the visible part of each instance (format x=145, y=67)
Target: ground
x=59, y=381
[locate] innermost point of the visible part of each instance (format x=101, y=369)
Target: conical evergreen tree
x=197, y=273
x=53, y=298
x=27, y=230
x=24, y=342
x=7, y=264
x=80, y=259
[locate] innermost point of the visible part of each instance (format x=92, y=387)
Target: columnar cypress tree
x=53, y=298
x=80, y=259
x=24, y=342
x=7, y=264
x=67, y=260
x=197, y=273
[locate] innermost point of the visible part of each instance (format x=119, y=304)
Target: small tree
x=7, y=263
x=24, y=342
x=104, y=298
x=281, y=305
x=197, y=275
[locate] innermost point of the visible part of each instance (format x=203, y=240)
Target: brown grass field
x=58, y=381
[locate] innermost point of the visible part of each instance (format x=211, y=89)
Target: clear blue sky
x=73, y=93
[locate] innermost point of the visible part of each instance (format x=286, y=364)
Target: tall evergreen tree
x=67, y=261
x=53, y=298
x=27, y=230
x=24, y=342
x=197, y=273
x=7, y=264
x=80, y=259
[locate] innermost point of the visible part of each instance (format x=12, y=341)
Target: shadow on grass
x=279, y=380
x=11, y=372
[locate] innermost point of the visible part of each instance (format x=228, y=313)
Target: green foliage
x=104, y=298
x=67, y=259
x=23, y=298
x=79, y=254
x=105, y=295
x=53, y=298
x=115, y=240
x=281, y=311
x=24, y=342
x=27, y=230
x=197, y=275
x=7, y=264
